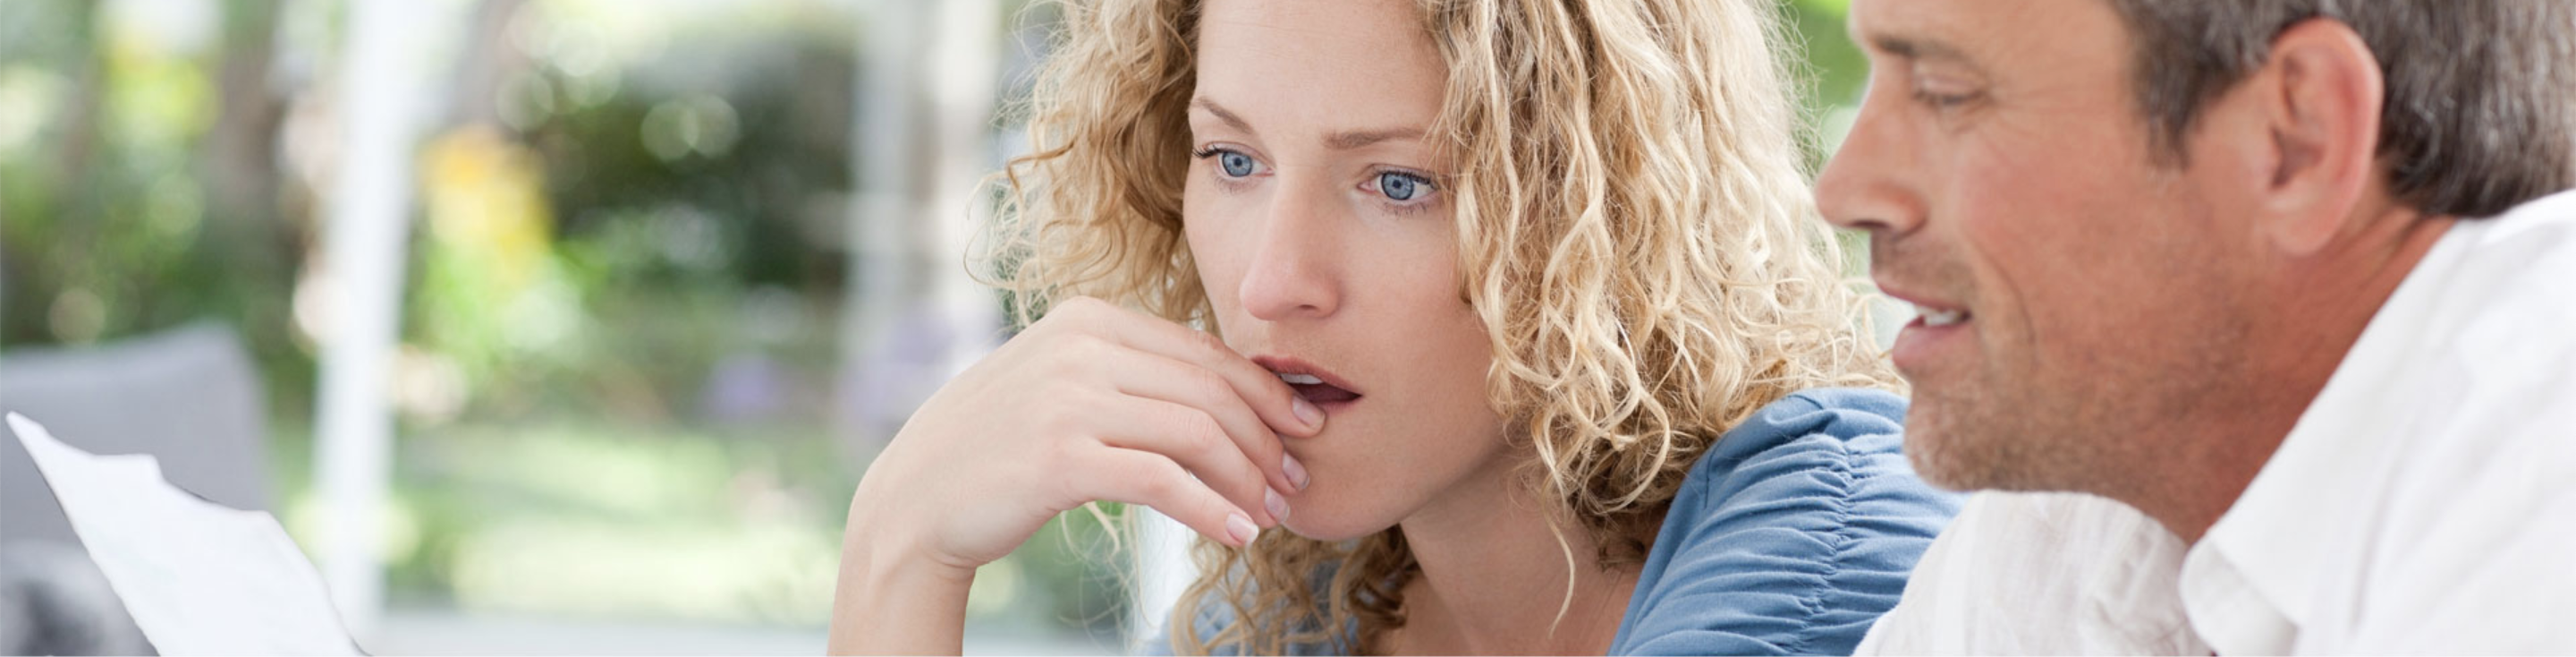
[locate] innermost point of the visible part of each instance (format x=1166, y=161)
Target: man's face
x=2075, y=294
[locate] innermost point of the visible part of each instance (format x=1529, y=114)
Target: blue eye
x=1235, y=164
x=1400, y=186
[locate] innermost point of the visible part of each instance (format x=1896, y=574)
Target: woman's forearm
x=890, y=602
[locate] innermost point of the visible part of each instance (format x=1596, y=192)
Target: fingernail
x=1307, y=413
x=1296, y=471
x=1278, y=506
x=1240, y=527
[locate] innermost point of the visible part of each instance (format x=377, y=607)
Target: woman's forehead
x=1347, y=72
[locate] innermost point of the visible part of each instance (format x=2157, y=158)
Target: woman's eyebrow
x=1343, y=140
x=1229, y=118
x=1350, y=139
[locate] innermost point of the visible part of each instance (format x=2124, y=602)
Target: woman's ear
x=2316, y=103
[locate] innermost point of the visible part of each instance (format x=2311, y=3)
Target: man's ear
x=2318, y=98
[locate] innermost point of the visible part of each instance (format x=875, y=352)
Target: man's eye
x=1943, y=101
x=1944, y=95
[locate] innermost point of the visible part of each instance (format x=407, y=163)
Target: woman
x=1512, y=334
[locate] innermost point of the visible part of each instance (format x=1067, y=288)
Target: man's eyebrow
x=1229, y=118
x=1919, y=48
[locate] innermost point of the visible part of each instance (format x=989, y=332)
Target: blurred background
x=545, y=326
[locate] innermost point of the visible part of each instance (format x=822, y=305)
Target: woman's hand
x=1093, y=402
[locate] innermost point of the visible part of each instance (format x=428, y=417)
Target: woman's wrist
x=886, y=555
x=894, y=596
x=896, y=545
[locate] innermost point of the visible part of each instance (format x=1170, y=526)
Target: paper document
x=200, y=578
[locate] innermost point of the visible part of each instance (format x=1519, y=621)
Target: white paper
x=200, y=578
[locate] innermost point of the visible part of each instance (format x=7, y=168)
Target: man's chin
x=1936, y=471
x=1945, y=457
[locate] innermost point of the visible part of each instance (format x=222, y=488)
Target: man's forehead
x=1987, y=34
x=1913, y=29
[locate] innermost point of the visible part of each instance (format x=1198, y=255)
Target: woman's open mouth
x=1311, y=382
x=1314, y=389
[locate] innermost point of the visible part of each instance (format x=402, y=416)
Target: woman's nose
x=1292, y=272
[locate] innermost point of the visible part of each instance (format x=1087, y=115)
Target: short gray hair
x=2480, y=114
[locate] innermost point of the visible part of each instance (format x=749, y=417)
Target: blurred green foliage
x=107, y=226
x=1833, y=68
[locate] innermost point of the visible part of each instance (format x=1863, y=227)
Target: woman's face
x=1325, y=241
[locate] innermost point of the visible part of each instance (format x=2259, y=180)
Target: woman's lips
x=1313, y=383
x=1317, y=391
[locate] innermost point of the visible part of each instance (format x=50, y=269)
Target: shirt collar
x=2247, y=583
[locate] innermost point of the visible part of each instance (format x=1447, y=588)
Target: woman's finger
x=1278, y=405
x=1192, y=438
x=1153, y=480
x=1154, y=376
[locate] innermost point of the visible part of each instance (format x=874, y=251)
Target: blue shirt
x=1789, y=537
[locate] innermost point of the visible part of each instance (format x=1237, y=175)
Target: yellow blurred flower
x=486, y=201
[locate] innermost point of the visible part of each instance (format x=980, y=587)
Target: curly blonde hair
x=1634, y=229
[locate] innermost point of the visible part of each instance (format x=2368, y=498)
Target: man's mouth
x=1928, y=312
x=1940, y=317
x=1940, y=327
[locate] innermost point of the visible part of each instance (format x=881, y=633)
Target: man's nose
x=1869, y=183
x=1293, y=273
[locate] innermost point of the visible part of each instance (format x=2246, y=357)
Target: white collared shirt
x=2424, y=502
x=2042, y=574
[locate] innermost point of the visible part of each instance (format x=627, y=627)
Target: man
x=2286, y=276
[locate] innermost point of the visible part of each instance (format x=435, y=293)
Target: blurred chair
x=189, y=396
